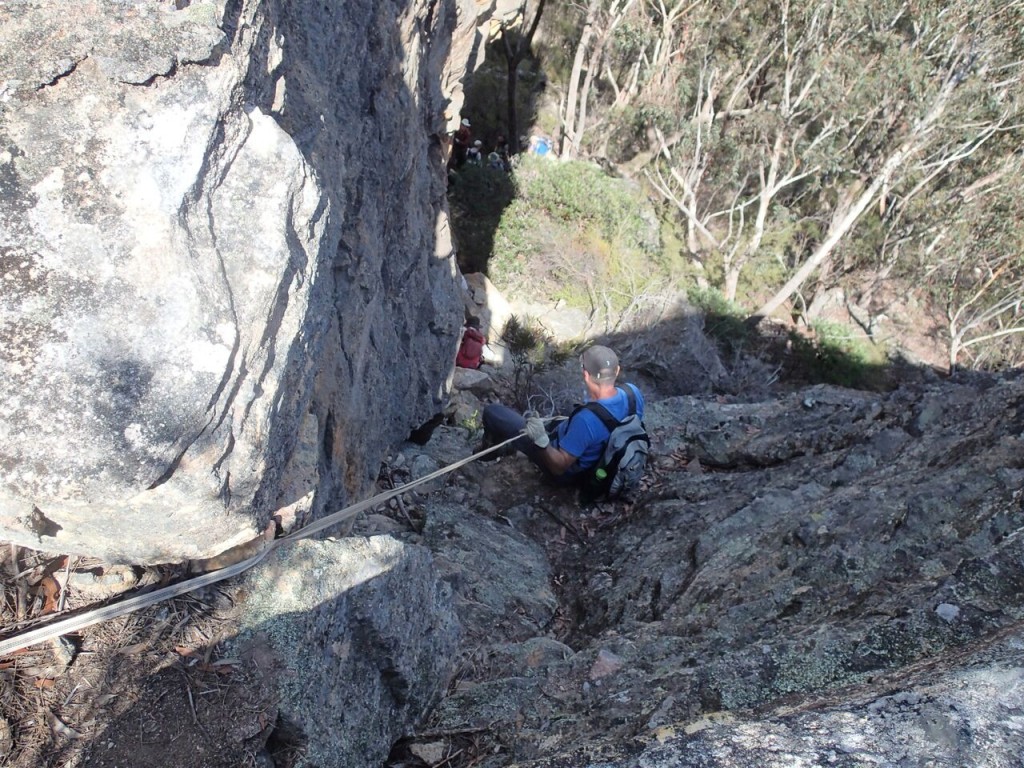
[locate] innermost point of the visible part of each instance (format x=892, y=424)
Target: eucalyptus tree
x=984, y=308
x=821, y=139
x=973, y=259
x=515, y=37
x=775, y=126
x=600, y=20
x=760, y=131
x=627, y=57
x=945, y=78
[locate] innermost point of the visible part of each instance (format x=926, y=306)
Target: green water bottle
x=601, y=474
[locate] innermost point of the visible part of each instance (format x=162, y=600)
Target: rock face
x=228, y=286
x=209, y=221
x=360, y=636
x=826, y=578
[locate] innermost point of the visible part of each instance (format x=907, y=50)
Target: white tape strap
x=132, y=604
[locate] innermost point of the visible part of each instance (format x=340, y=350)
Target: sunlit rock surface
x=228, y=279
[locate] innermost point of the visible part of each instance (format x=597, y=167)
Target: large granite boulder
x=211, y=216
x=357, y=637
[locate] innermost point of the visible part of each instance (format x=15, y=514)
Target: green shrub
x=473, y=423
x=836, y=354
x=583, y=196
x=577, y=234
x=532, y=350
x=515, y=244
x=764, y=270
x=477, y=197
x=674, y=255
x=629, y=127
x=724, y=321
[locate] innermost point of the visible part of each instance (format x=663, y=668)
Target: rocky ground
x=830, y=578
x=826, y=577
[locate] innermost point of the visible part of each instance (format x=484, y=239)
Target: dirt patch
x=912, y=325
x=150, y=688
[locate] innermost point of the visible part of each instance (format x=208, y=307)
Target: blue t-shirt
x=584, y=435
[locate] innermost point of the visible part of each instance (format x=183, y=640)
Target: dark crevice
x=293, y=273
x=155, y=76
x=396, y=684
x=176, y=461
x=64, y=73
x=328, y=444
x=41, y=525
x=287, y=743
x=230, y=22
x=210, y=162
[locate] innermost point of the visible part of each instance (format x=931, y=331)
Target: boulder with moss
x=359, y=638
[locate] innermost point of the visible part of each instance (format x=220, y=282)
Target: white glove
x=536, y=431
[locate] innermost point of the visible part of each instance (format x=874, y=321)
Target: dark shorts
x=501, y=423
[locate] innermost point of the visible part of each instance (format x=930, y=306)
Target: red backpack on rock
x=471, y=349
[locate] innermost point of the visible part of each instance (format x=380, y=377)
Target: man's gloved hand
x=536, y=431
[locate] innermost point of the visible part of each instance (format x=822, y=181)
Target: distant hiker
x=472, y=347
x=461, y=142
x=501, y=147
x=502, y=151
x=540, y=146
x=474, y=154
x=565, y=450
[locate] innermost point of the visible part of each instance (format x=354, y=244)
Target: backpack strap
x=609, y=421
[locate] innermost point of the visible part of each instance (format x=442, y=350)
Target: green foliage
x=577, y=234
x=584, y=196
x=630, y=39
x=862, y=251
x=486, y=97
x=478, y=196
x=765, y=270
x=563, y=23
x=531, y=349
x=630, y=126
x=673, y=250
x=832, y=353
x=839, y=87
x=724, y=321
x=515, y=244
x=837, y=354
x=473, y=423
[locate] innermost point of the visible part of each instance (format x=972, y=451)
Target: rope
x=132, y=604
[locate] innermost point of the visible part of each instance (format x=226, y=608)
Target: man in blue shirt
x=564, y=449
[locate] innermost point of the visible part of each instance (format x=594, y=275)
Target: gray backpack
x=618, y=472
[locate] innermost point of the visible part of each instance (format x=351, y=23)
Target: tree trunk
x=512, y=86
x=769, y=188
x=588, y=83
x=954, y=348
x=732, y=281
x=841, y=226
x=570, y=121
x=513, y=57
x=837, y=231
